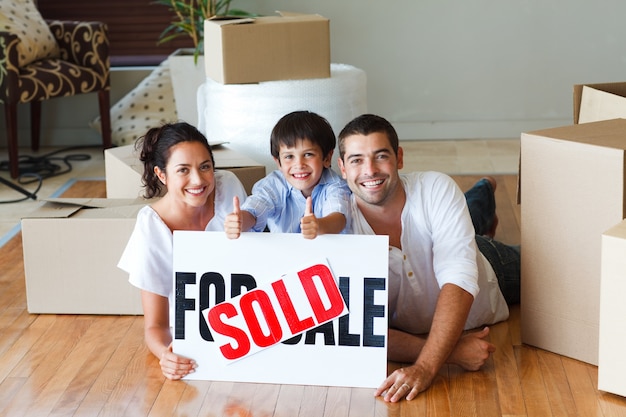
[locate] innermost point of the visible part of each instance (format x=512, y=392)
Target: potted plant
x=186, y=66
x=189, y=17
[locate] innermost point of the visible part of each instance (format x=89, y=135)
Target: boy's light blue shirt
x=275, y=203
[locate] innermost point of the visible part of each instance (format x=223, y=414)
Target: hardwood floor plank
x=168, y=399
x=218, y=399
x=556, y=384
x=46, y=373
x=264, y=400
x=313, y=401
x=113, y=367
x=192, y=398
x=461, y=393
x=531, y=379
x=18, y=350
x=438, y=399
x=8, y=388
x=510, y=396
x=582, y=387
x=337, y=402
x=289, y=400
x=362, y=403
x=88, y=359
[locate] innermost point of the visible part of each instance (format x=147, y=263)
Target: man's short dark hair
x=366, y=124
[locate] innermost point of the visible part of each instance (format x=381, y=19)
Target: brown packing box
x=572, y=180
x=612, y=362
x=596, y=102
x=123, y=170
x=71, y=249
x=286, y=47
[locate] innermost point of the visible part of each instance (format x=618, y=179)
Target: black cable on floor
x=35, y=169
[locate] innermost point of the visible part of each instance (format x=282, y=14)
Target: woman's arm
x=159, y=337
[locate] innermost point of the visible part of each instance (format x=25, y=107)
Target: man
x=439, y=283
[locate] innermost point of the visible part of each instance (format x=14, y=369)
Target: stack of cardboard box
x=572, y=187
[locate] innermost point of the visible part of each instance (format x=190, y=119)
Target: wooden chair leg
x=10, y=110
x=35, y=124
x=105, y=118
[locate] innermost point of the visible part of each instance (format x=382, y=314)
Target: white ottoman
x=244, y=114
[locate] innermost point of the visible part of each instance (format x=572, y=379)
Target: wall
x=477, y=68
x=446, y=68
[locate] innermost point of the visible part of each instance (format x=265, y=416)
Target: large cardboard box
x=286, y=47
x=123, y=170
x=612, y=361
x=596, y=102
x=572, y=183
x=71, y=249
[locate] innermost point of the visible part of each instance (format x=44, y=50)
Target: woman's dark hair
x=155, y=147
x=300, y=125
x=366, y=124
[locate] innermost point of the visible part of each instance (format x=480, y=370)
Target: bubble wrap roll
x=244, y=114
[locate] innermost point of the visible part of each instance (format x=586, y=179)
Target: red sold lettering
x=263, y=301
x=295, y=324
x=336, y=301
x=243, y=344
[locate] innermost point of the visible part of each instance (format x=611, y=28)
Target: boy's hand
x=233, y=222
x=309, y=224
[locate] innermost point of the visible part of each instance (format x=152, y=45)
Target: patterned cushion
x=22, y=18
x=148, y=105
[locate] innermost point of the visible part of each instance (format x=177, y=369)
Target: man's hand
x=472, y=350
x=234, y=221
x=308, y=223
x=405, y=382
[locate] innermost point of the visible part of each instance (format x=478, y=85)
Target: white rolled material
x=244, y=114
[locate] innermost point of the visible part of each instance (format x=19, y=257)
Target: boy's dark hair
x=155, y=148
x=300, y=125
x=366, y=124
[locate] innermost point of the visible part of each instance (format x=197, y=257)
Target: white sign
x=271, y=307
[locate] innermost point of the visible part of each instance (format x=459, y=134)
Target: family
x=448, y=277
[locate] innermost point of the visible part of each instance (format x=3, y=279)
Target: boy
x=304, y=194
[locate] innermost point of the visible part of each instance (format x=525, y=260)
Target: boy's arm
x=312, y=226
x=238, y=221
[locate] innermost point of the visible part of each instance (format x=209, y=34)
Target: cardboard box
x=71, y=250
x=596, y=102
x=612, y=362
x=123, y=170
x=286, y=47
x=572, y=181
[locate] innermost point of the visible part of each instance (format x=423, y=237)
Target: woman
x=176, y=157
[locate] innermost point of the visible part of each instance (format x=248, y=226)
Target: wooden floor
x=63, y=365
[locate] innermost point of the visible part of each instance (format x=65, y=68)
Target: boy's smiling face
x=303, y=164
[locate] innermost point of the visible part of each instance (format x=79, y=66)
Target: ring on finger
x=406, y=385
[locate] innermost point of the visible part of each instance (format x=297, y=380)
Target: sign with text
x=278, y=308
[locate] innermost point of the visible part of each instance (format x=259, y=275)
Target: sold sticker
x=281, y=309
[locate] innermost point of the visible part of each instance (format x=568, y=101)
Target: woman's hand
x=175, y=367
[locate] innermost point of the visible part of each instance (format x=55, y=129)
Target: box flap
x=619, y=230
x=613, y=88
x=606, y=133
x=596, y=105
x=230, y=20
x=66, y=207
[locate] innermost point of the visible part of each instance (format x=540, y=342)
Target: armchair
x=83, y=67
